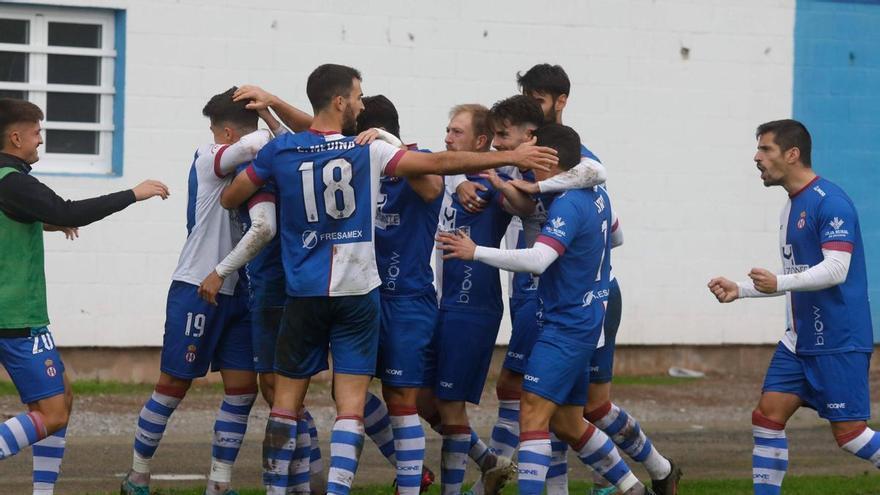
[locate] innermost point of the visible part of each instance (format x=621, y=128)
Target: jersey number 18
x=335, y=209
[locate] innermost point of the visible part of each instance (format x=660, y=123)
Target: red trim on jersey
x=585, y=438
x=353, y=416
x=805, y=187
x=845, y=438
x=598, y=413
x=392, y=164
x=278, y=412
x=171, y=391
x=217, y=156
x=615, y=226
x=456, y=430
x=262, y=197
x=759, y=419
x=549, y=241
x=252, y=175
x=412, y=146
x=534, y=435
x=844, y=246
x=324, y=133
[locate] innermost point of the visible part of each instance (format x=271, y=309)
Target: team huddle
x=314, y=239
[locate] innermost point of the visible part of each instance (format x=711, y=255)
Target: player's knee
x=766, y=419
x=267, y=390
x=173, y=385
x=847, y=431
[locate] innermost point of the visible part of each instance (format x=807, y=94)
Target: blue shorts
x=835, y=385
x=34, y=365
x=602, y=364
x=266, y=320
x=313, y=326
x=557, y=369
x=405, y=335
x=464, y=342
x=199, y=335
x=523, y=334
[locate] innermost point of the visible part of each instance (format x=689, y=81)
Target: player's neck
x=325, y=122
x=798, y=180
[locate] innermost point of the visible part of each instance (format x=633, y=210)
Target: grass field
x=794, y=485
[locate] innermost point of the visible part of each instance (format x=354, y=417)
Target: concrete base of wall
x=141, y=364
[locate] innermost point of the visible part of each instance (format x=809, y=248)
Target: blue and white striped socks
x=278, y=450
x=409, y=447
x=19, y=432
x=769, y=456
x=48, y=453
x=454, y=457
x=300, y=463
x=534, y=461
x=230, y=426
x=627, y=434
x=597, y=451
x=505, y=433
x=346, y=443
x=151, y=425
x=316, y=464
x=864, y=443
x=557, y=475
x=377, y=424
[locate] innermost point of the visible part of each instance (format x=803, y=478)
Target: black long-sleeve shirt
x=25, y=199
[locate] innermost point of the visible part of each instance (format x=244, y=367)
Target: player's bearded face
x=770, y=161
x=349, y=120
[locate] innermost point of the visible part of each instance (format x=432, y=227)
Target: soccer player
x=200, y=335
x=572, y=257
x=822, y=360
x=550, y=87
x=27, y=349
x=406, y=220
x=328, y=186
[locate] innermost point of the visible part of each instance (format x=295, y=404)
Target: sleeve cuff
x=217, y=157
x=252, y=175
x=553, y=243
x=838, y=246
x=261, y=198
x=392, y=164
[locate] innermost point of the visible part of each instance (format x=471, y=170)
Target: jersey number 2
x=331, y=187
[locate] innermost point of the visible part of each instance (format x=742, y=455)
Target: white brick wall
x=675, y=133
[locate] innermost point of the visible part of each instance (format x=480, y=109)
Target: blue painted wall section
x=119, y=98
x=837, y=96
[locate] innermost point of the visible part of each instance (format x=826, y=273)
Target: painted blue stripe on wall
x=119, y=98
x=836, y=76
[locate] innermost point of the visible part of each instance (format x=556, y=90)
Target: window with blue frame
x=65, y=61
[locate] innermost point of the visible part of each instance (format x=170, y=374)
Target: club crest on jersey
x=50, y=368
x=802, y=221
x=555, y=227
x=309, y=239
x=190, y=355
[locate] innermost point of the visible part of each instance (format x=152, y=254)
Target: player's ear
x=793, y=155
x=560, y=102
x=482, y=141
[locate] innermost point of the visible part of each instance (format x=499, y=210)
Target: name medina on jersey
x=310, y=238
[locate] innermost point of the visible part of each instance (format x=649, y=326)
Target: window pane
x=80, y=35
x=14, y=31
x=73, y=107
x=79, y=142
x=74, y=69
x=13, y=66
x=11, y=93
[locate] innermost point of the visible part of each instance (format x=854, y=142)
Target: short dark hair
x=329, y=81
x=379, y=112
x=564, y=140
x=544, y=78
x=516, y=110
x=788, y=134
x=221, y=108
x=13, y=111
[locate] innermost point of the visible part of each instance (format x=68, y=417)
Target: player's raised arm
x=515, y=202
x=526, y=155
x=242, y=188
x=587, y=173
x=293, y=117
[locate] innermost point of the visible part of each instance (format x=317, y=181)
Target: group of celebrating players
x=315, y=237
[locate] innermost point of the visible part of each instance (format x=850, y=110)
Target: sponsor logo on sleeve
x=838, y=231
x=555, y=227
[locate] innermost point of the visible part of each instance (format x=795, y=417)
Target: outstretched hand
x=456, y=245
x=149, y=188
x=525, y=186
x=527, y=155
x=724, y=290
